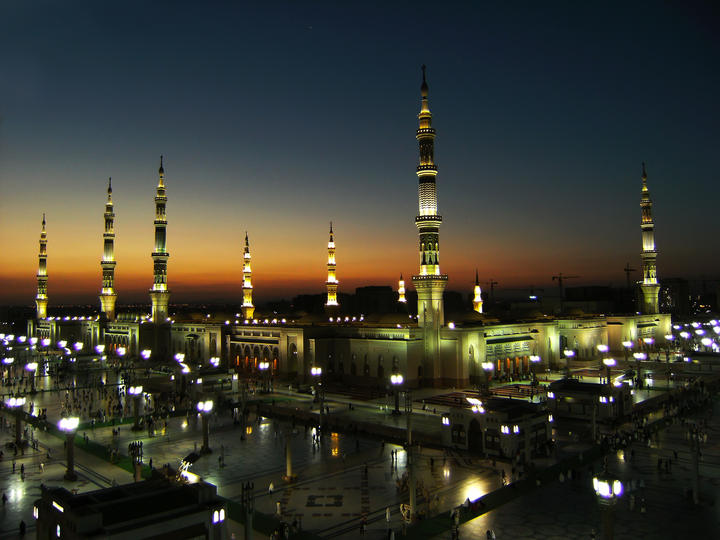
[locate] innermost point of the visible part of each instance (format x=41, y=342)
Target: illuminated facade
x=41, y=300
x=650, y=287
x=247, y=307
x=332, y=282
x=159, y=294
x=433, y=349
x=477, y=298
x=107, y=294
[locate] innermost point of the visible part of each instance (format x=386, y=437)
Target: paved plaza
x=346, y=478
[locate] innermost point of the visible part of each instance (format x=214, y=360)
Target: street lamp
x=487, y=368
x=628, y=345
x=69, y=425
x=609, y=362
x=534, y=360
x=263, y=367
x=638, y=357
x=136, y=392
x=205, y=408
x=32, y=367
x=396, y=379
x=146, y=354
x=316, y=371
x=16, y=403
x=607, y=489
x=569, y=353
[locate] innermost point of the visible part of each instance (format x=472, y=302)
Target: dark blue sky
x=276, y=117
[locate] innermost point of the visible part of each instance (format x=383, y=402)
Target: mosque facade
x=432, y=348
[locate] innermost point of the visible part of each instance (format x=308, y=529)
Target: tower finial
x=109, y=185
x=477, y=281
x=424, y=86
x=331, y=231
x=161, y=170
x=247, y=242
x=644, y=174
x=43, y=219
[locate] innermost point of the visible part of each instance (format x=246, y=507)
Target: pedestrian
x=22, y=528
x=4, y=499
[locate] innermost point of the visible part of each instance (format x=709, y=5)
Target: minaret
x=401, y=290
x=477, y=301
x=41, y=300
x=159, y=294
x=107, y=295
x=430, y=283
x=247, y=306
x=332, y=282
x=649, y=286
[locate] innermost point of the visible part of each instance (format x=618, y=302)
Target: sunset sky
x=277, y=117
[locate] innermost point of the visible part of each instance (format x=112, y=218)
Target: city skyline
x=539, y=155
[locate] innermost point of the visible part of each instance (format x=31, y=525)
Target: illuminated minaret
x=649, y=286
x=247, y=307
x=159, y=294
x=332, y=282
x=401, y=290
x=430, y=283
x=107, y=295
x=477, y=301
x=41, y=300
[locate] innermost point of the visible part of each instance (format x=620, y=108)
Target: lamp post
x=649, y=344
x=627, y=345
x=568, y=353
x=607, y=489
x=263, y=367
x=136, y=392
x=205, y=408
x=487, y=367
x=16, y=403
x=396, y=379
x=69, y=425
x=316, y=372
x=602, y=349
x=609, y=362
x=32, y=368
x=638, y=357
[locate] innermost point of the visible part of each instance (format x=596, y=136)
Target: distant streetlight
x=16, y=403
x=607, y=489
x=136, y=392
x=317, y=372
x=396, y=379
x=205, y=408
x=69, y=425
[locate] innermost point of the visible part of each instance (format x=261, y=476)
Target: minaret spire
x=477, y=300
x=41, y=300
x=430, y=283
x=401, y=290
x=332, y=282
x=650, y=287
x=107, y=294
x=248, y=308
x=159, y=294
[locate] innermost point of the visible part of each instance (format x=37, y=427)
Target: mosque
x=432, y=348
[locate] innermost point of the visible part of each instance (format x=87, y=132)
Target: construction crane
x=560, y=278
x=491, y=285
x=627, y=271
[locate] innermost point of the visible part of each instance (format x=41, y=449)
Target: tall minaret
x=650, y=287
x=159, y=294
x=107, y=295
x=401, y=290
x=332, y=282
x=41, y=300
x=247, y=306
x=430, y=283
x=477, y=301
